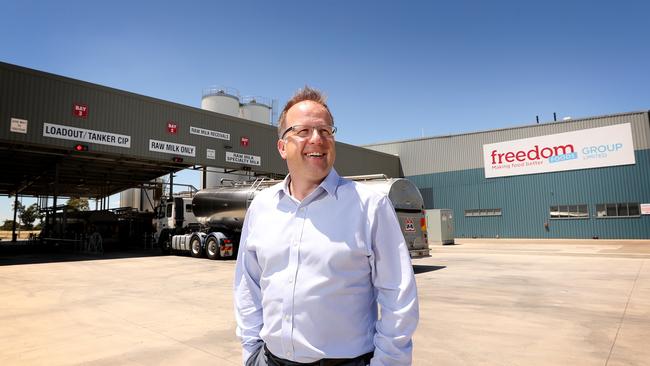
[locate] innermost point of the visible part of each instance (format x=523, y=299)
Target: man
x=318, y=254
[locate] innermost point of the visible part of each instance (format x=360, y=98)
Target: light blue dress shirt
x=310, y=275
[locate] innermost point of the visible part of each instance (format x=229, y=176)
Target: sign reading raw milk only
x=583, y=149
x=172, y=148
x=233, y=157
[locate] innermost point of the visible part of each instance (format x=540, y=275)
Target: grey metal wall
x=40, y=98
x=465, y=151
x=449, y=172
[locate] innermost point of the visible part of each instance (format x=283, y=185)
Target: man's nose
x=315, y=137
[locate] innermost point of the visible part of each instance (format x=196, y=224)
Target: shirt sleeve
x=248, y=295
x=394, y=282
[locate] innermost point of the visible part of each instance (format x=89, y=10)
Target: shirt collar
x=329, y=184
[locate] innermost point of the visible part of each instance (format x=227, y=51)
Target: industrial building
x=61, y=137
x=580, y=178
x=65, y=137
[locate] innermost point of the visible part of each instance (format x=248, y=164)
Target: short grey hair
x=304, y=94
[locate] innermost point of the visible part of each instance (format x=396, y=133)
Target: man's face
x=310, y=158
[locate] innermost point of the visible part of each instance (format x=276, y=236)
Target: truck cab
x=173, y=216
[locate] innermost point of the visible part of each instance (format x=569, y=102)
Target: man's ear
x=282, y=148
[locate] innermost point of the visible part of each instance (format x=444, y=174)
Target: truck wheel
x=212, y=248
x=164, y=243
x=195, y=247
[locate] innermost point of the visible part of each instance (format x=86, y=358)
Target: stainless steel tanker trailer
x=210, y=223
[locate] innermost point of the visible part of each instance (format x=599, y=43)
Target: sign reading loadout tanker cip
x=84, y=135
x=582, y=149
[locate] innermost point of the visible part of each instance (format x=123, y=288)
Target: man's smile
x=315, y=155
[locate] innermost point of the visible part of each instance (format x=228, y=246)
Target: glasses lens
x=303, y=131
x=326, y=131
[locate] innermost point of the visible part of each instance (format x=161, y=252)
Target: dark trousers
x=262, y=357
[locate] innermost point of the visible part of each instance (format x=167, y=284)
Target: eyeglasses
x=303, y=131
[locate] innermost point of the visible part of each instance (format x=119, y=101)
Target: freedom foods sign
x=582, y=149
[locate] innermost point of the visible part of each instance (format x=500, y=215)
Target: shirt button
x=290, y=279
x=288, y=354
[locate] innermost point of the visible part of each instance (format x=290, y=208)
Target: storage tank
x=221, y=99
x=256, y=108
x=224, y=100
x=403, y=194
x=226, y=206
x=142, y=200
x=216, y=179
x=127, y=197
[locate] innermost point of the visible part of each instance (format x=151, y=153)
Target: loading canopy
x=31, y=170
x=66, y=137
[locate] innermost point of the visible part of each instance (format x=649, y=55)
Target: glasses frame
x=312, y=128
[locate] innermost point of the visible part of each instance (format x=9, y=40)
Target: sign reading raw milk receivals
x=233, y=157
x=209, y=133
x=582, y=149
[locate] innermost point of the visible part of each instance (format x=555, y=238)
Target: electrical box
x=440, y=226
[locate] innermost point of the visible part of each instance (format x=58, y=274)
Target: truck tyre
x=164, y=243
x=212, y=248
x=195, y=247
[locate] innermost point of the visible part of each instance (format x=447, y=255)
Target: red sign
x=80, y=110
x=172, y=127
x=244, y=141
x=408, y=224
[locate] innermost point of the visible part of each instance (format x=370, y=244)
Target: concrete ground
x=482, y=303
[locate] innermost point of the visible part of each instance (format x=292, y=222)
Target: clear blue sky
x=392, y=69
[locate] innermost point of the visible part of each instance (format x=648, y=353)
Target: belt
x=277, y=361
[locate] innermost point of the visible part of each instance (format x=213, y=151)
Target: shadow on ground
x=34, y=254
x=421, y=268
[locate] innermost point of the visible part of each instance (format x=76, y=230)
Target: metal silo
x=139, y=199
x=221, y=99
x=256, y=108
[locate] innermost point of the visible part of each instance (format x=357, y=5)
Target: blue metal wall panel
x=525, y=201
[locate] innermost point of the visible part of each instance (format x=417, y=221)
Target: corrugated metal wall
x=40, y=98
x=525, y=201
x=449, y=172
x=461, y=152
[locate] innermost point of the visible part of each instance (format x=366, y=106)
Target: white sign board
x=645, y=209
x=583, y=149
x=18, y=125
x=209, y=133
x=210, y=154
x=172, y=148
x=233, y=157
x=84, y=135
